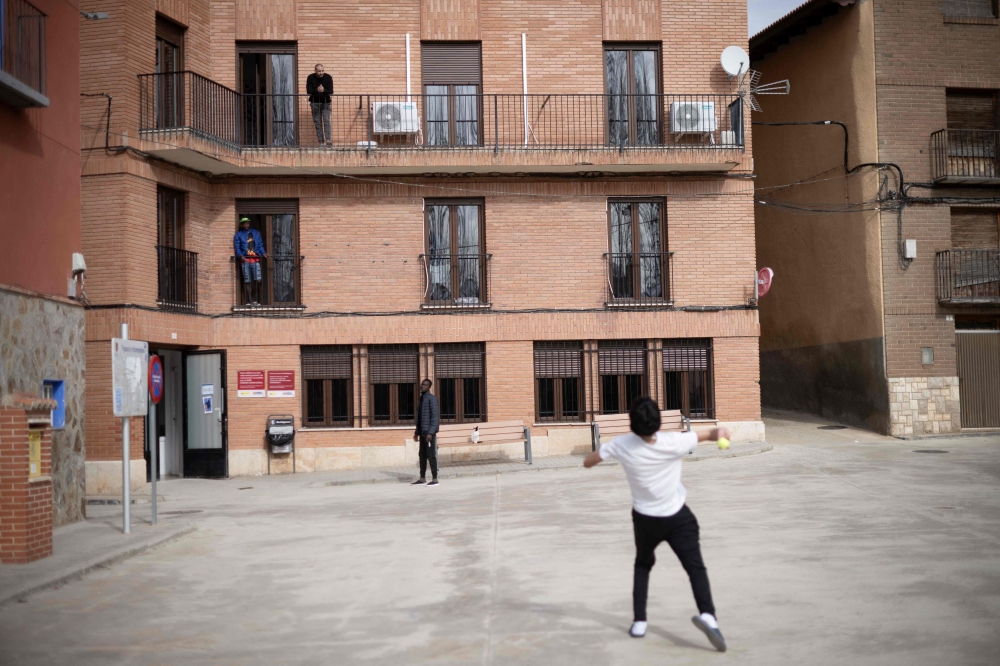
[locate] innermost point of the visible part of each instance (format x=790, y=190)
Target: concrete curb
x=761, y=448
x=78, y=571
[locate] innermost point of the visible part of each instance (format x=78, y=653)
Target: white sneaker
x=638, y=630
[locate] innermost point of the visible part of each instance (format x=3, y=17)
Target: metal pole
x=154, y=445
x=524, y=79
x=126, y=480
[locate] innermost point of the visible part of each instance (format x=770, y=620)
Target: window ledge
x=552, y=424
x=971, y=20
x=367, y=429
x=456, y=306
x=644, y=305
x=40, y=479
x=269, y=309
x=20, y=94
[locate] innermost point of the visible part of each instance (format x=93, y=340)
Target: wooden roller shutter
x=975, y=229
x=330, y=362
x=971, y=109
x=622, y=357
x=395, y=364
x=558, y=359
x=459, y=360
x=169, y=31
x=451, y=63
x=267, y=206
x=680, y=355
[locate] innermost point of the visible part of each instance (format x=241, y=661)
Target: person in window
x=249, y=247
x=428, y=424
x=319, y=85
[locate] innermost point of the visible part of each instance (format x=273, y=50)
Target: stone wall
x=43, y=338
x=924, y=405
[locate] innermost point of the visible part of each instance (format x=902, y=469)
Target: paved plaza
x=835, y=547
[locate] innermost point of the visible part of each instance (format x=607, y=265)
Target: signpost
x=129, y=385
x=280, y=383
x=155, y=394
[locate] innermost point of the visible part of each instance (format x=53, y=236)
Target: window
x=972, y=109
x=455, y=259
x=622, y=367
x=637, y=263
x=327, y=386
x=393, y=373
x=452, y=76
x=170, y=218
x=169, y=63
x=268, y=81
x=277, y=222
x=687, y=377
x=559, y=381
x=970, y=8
x=177, y=269
x=975, y=229
x=22, y=54
x=632, y=82
x=55, y=389
x=460, y=381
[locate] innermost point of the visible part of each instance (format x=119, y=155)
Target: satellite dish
x=735, y=61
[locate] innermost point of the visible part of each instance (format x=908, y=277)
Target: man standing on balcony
x=319, y=85
x=249, y=247
x=428, y=423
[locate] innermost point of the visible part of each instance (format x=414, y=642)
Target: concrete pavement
x=836, y=547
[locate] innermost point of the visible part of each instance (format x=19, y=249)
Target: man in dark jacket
x=428, y=424
x=249, y=249
x=319, y=86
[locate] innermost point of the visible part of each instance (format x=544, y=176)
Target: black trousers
x=681, y=532
x=428, y=452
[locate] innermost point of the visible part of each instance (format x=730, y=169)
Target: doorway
x=205, y=448
x=977, y=347
x=169, y=413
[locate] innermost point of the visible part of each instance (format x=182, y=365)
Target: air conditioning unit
x=394, y=118
x=692, y=117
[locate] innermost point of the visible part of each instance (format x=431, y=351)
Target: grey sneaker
x=419, y=482
x=714, y=635
x=432, y=482
x=637, y=630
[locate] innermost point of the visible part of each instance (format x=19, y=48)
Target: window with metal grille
x=637, y=240
x=631, y=79
x=559, y=381
x=622, y=368
x=452, y=75
x=687, y=377
x=460, y=381
x=970, y=8
x=277, y=222
x=327, y=386
x=455, y=259
x=393, y=376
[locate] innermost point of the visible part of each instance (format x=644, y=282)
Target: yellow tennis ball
x=723, y=443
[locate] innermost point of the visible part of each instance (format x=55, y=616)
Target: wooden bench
x=494, y=432
x=612, y=425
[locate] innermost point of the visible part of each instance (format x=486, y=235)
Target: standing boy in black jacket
x=428, y=424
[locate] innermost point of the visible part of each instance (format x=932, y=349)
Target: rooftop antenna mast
x=736, y=62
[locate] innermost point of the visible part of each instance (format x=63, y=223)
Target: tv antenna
x=736, y=62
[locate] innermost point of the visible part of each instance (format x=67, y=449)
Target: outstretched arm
x=713, y=435
x=592, y=459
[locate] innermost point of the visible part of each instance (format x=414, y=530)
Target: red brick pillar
x=25, y=497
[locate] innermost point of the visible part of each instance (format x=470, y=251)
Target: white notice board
x=129, y=370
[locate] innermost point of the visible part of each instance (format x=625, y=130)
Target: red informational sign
x=250, y=384
x=280, y=383
x=155, y=379
x=764, y=277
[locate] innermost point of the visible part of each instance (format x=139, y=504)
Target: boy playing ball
x=652, y=464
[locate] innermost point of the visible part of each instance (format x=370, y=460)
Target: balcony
x=22, y=54
x=456, y=282
x=198, y=123
x=279, y=290
x=639, y=279
x=968, y=277
x=966, y=157
x=177, y=272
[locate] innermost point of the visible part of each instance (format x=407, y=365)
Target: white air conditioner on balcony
x=692, y=117
x=394, y=118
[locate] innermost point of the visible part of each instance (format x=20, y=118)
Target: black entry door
x=205, y=449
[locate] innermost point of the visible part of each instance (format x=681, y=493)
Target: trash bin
x=280, y=433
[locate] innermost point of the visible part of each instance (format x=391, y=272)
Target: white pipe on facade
x=524, y=78
x=408, y=68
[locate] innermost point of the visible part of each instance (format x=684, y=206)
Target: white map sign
x=129, y=368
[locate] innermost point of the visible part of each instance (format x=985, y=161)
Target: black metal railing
x=177, y=272
x=279, y=285
x=639, y=279
x=438, y=122
x=22, y=43
x=966, y=155
x=968, y=276
x=176, y=101
x=456, y=281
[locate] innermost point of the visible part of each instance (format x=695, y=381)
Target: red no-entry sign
x=155, y=379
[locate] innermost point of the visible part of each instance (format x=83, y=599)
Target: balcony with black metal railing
x=968, y=277
x=177, y=277
x=270, y=284
x=639, y=279
x=22, y=54
x=185, y=117
x=966, y=157
x=456, y=281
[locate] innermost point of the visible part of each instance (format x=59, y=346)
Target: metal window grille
x=22, y=43
x=623, y=377
x=559, y=381
x=459, y=371
x=687, y=377
x=327, y=386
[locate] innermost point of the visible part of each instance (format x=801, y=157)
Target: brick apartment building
x=543, y=206
x=41, y=319
x=857, y=327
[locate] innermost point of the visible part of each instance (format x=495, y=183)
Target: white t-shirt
x=653, y=470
